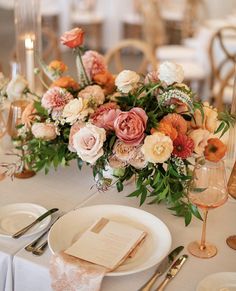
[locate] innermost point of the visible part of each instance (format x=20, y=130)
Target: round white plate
x=155, y=247
x=14, y=217
x=225, y=281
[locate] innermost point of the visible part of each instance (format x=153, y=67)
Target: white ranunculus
x=16, y=88
x=157, y=148
x=45, y=131
x=126, y=81
x=74, y=110
x=88, y=142
x=170, y=73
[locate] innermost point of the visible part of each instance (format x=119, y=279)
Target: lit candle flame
x=29, y=44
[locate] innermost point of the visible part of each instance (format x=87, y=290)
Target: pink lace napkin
x=72, y=274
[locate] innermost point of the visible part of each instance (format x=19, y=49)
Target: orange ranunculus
x=106, y=80
x=73, y=38
x=215, y=150
x=177, y=121
x=66, y=82
x=58, y=66
x=167, y=129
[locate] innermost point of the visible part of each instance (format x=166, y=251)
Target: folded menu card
x=107, y=243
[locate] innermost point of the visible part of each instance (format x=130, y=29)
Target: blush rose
x=130, y=126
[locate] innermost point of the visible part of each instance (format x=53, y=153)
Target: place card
x=107, y=243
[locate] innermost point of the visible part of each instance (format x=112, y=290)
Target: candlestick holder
x=28, y=37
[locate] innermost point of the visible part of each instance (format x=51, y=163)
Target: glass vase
x=28, y=37
x=231, y=145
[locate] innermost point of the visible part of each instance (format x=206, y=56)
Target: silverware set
x=34, y=247
x=166, y=265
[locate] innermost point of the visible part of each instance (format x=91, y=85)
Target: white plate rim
x=38, y=227
x=213, y=277
x=113, y=206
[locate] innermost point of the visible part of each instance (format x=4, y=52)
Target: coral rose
x=94, y=94
x=55, y=99
x=28, y=115
x=199, y=137
x=157, y=148
x=170, y=73
x=105, y=115
x=126, y=81
x=215, y=150
x=94, y=63
x=66, y=82
x=130, y=126
x=45, y=131
x=73, y=38
x=88, y=142
x=106, y=80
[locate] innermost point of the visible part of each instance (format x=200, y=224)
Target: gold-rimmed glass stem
x=203, y=238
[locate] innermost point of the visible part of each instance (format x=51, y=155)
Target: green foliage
x=227, y=120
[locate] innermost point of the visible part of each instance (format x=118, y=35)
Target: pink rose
x=88, y=142
x=73, y=38
x=130, y=126
x=45, y=131
x=56, y=98
x=94, y=63
x=73, y=130
x=105, y=115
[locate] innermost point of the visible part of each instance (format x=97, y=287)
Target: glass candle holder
x=28, y=37
x=231, y=145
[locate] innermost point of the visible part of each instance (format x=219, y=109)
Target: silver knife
x=162, y=268
x=40, y=218
x=174, y=269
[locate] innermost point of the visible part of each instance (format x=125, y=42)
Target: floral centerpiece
x=150, y=128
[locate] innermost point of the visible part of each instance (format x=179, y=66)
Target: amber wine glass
x=207, y=191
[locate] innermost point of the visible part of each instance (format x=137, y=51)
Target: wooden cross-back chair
x=114, y=55
x=194, y=13
x=222, y=70
x=153, y=24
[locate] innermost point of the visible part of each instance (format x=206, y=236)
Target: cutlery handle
x=163, y=284
x=30, y=247
x=24, y=230
x=148, y=285
x=40, y=250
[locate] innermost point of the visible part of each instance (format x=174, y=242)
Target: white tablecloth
x=63, y=189
x=32, y=274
